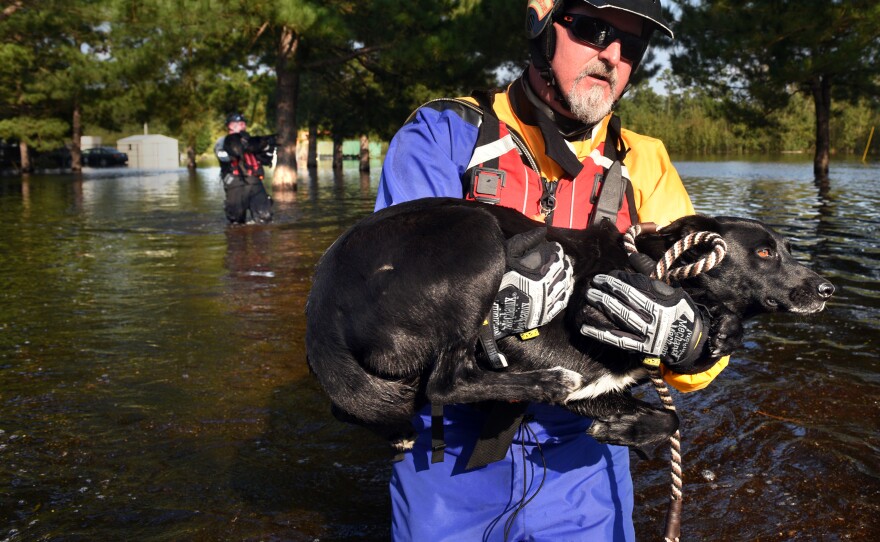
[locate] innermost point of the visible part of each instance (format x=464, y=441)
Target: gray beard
x=591, y=105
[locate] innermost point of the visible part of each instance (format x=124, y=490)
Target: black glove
x=536, y=286
x=653, y=318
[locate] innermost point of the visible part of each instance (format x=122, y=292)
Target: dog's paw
x=602, y=431
x=554, y=385
x=726, y=335
x=570, y=380
x=644, y=430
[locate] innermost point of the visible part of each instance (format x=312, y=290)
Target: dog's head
x=758, y=273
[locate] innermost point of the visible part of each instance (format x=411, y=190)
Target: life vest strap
x=438, y=443
x=614, y=186
x=484, y=177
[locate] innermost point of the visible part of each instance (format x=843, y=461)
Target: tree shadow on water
x=313, y=474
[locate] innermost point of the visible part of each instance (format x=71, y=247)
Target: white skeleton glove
x=652, y=317
x=536, y=287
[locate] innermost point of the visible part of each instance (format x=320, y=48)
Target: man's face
x=236, y=126
x=593, y=78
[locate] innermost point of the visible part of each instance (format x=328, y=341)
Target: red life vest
x=499, y=173
x=248, y=166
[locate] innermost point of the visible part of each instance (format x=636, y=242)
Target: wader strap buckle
x=610, y=198
x=497, y=434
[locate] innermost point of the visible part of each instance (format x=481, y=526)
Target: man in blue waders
x=550, y=147
x=242, y=157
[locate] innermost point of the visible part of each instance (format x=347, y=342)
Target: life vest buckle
x=486, y=184
x=597, y=183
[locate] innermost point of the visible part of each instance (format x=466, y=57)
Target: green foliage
x=851, y=124
x=42, y=134
x=691, y=122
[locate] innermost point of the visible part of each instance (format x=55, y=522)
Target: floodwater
x=153, y=383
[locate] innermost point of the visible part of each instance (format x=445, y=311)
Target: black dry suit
x=241, y=168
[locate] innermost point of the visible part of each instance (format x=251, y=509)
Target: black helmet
x=542, y=37
x=539, y=13
x=235, y=117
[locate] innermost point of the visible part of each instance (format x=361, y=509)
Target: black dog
x=397, y=301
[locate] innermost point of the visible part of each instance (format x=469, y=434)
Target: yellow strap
x=651, y=362
x=530, y=334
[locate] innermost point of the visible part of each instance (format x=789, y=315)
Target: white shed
x=90, y=142
x=150, y=151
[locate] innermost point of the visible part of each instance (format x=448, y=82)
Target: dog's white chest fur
x=607, y=383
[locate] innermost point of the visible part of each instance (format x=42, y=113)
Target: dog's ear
x=687, y=225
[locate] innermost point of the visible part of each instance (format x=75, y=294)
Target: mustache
x=600, y=70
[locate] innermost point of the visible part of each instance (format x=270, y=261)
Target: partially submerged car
x=104, y=157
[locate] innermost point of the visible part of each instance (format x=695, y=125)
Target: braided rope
x=629, y=238
x=665, y=272
x=664, y=269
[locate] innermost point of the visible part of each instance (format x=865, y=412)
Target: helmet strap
x=524, y=99
x=542, y=50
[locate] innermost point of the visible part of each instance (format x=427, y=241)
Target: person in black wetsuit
x=242, y=157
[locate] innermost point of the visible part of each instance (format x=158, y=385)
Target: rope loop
x=664, y=270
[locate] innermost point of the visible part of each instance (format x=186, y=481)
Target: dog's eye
x=764, y=252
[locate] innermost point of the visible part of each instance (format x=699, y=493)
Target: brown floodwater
x=153, y=383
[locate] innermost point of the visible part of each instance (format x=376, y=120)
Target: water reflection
x=153, y=383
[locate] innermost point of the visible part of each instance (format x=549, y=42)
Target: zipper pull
x=548, y=200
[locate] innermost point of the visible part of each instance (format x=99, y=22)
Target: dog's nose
x=826, y=289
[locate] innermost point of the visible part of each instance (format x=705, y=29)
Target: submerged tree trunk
x=365, y=153
x=190, y=157
x=337, y=153
x=312, y=159
x=284, y=177
x=821, y=89
x=25, y=152
x=76, y=146
x=365, y=183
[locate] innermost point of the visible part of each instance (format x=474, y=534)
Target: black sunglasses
x=601, y=34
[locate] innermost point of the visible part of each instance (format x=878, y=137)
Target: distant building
x=151, y=151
